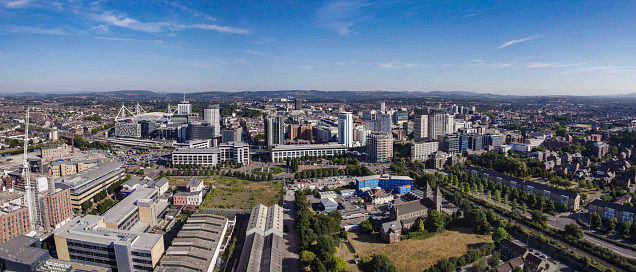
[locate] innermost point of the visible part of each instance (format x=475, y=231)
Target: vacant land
x=415, y=255
x=272, y=170
x=233, y=193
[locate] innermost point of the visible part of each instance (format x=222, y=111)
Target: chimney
x=51, y=183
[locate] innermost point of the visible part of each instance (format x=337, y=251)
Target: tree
x=420, y=225
x=479, y=266
x=340, y=264
x=307, y=257
x=596, y=220
x=611, y=225
x=574, y=231
x=494, y=259
x=434, y=221
x=365, y=226
x=382, y=263
x=538, y=216
x=499, y=235
x=626, y=227
x=524, y=209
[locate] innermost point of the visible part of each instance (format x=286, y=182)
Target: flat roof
x=307, y=147
x=88, y=175
x=383, y=177
x=19, y=249
x=127, y=205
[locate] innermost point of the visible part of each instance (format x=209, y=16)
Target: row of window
x=142, y=254
x=89, y=246
x=93, y=260
x=141, y=267
x=89, y=253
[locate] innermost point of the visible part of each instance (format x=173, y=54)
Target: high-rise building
x=440, y=125
x=232, y=135
x=380, y=147
x=369, y=115
x=420, y=127
x=300, y=132
x=200, y=131
x=212, y=116
x=299, y=104
x=345, y=129
x=382, y=107
x=275, y=130
x=184, y=107
x=384, y=123
x=400, y=116
x=421, y=151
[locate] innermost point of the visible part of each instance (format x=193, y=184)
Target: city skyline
x=544, y=48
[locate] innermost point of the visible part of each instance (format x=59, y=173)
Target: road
x=291, y=242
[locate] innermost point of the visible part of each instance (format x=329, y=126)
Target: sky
x=503, y=47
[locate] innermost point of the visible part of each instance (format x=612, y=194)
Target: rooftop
x=307, y=147
x=83, y=177
x=19, y=250
x=128, y=205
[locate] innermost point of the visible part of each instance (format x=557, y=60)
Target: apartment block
x=15, y=221
x=380, y=147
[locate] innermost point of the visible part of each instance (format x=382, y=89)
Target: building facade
x=281, y=152
x=380, y=147
x=422, y=151
x=345, y=129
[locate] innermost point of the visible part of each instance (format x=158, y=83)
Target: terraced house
x=609, y=210
x=556, y=195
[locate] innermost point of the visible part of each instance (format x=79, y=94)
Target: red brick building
x=14, y=220
x=59, y=209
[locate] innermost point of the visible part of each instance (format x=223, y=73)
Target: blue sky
x=505, y=47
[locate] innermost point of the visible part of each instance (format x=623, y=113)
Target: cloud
x=503, y=65
x=552, y=65
x=509, y=43
x=264, y=40
x=122, y=21
x=31, y=30
x=257, y=53
x=192, y=11
x=603, y=70
x=341, y=15
x=17, y=3
x=395, y=65
x=128, y=40
x=1, y=52
x=101, y=29
x=134, y=24
x=51, y=53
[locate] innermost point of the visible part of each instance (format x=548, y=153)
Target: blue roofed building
x=402, y=184
x=328, y=204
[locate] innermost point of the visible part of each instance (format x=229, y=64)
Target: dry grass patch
x=418, y=255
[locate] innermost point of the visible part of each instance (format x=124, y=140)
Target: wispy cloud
x=191, y=10
x=31, y=30
x=264, y=40
x=509, y=43
x=128, y=40
x=603, y=70
x=101, y=29
x=395, y=65
x=17, y=3
x=258, y=53
x=341, y=15
x=552, y=65
x=156, y=27
x=51, y=53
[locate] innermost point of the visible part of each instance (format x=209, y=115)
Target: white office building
x=345, y=129
x=212, y=116
x=420, y=127
x=421, y=151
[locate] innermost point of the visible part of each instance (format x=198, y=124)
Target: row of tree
x=228, y=173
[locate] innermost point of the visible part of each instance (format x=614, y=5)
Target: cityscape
x=325, y=136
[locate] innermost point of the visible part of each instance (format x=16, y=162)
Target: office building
x=494, y=139
x=200, y=131
x=386, y=182
x=440, y=125
x=88, y=241
x=262, y=250
x=133, y=184
x=184, y=107
x=360, y=135
x=275, y=131
x=400, y=116
x=136, y=212
x=232, y=151
x=369, y=115
x=25, y=254
x=86, y=184
x=383, y=123
x=380, y=147
x=299, y=104
x=212, y=116
x=325, y=134
x=421, y=151
x=281, y=152
x=128, y=129
x=300, y=132
x=232, y=135
x=197, y=246
x=345, y=129
x=68, y=167
x=420, y=127
x=54, y=151
x=455, y=143
x=382, y=107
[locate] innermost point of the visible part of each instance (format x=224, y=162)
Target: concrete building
x=422, y=151
x=440, y=125
x=556, y=195
x=275, y=130
x=380, y=147
x=25, y=254
x=15, y=221
x=212, y=116
x=345, y=129
x=299, y=104
x=300, y=132
x=136, y=212
x=281, y=152
x=263, y=247
x=420, y=127
x=88, y=241
x=232, y=135
x=128, y=129
x=202, y=131
x=600, y=149
x=54, y=151
x=197, y=246
x=86, y=184
x=232, y=151
x=136, y=183
x=67, y=167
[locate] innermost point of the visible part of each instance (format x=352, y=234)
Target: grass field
x=232, y=193
x=415, y=255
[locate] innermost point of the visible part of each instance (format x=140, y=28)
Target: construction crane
x=29, y=196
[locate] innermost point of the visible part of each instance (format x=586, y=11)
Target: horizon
x=535, y=48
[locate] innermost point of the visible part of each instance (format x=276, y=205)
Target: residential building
x=212, y=116
x=232, y=151
x=600, y=149
x=15, y=221
x=68, y=167
x=383, y=123
x=400, y=116
x=440, y=125
x=59, y=210
x=54, y=151
x=345, y=129
x=197, y=246
x=281, y=152
x=88, y=241
x=300, y=132
x=420, y=127
x=275, y=131
x=391, y=232
x=86, y=184
x=558, y=196
x=609, y=210
x=188, y=199
x=422, y=151
x=380, y=147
